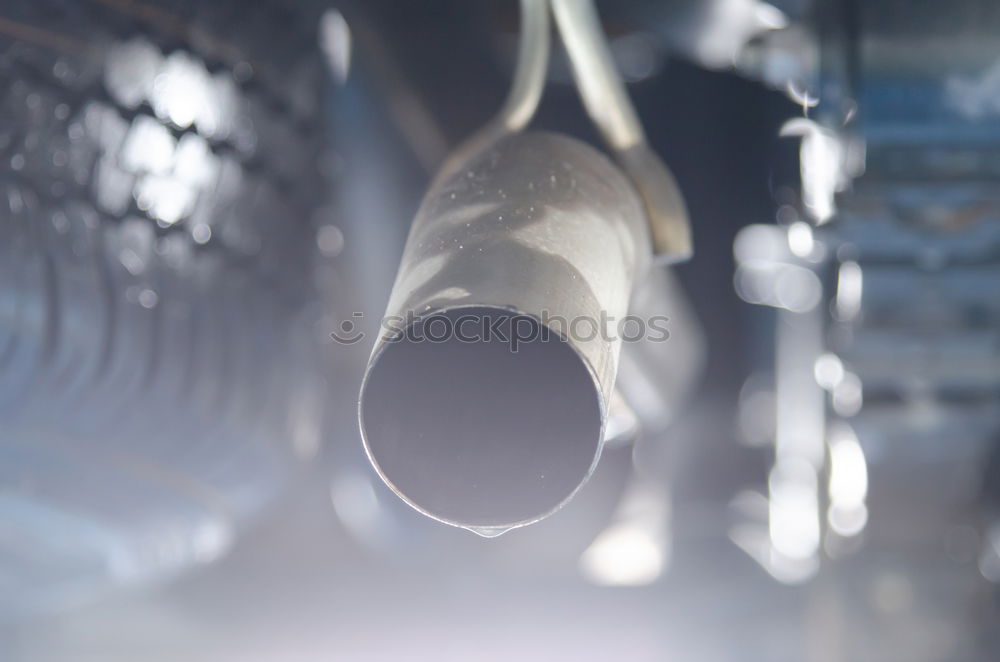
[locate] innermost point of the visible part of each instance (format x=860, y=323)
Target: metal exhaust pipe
x=485, y=399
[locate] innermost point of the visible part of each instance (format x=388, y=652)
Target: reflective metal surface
x=536, y=227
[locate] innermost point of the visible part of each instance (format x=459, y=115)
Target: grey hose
x=597, y=79
x=532, y=64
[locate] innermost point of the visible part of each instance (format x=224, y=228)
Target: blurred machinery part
x=160, y=175
x=885, y=283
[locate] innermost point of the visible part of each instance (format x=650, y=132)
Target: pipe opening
x=481, y=431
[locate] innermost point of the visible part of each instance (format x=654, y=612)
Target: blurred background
x=195, y=195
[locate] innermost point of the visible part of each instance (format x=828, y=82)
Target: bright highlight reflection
x=848, y=486
x=623, y=555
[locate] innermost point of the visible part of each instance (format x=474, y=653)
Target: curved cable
x=525, y=90
x=532, y=66
x=601, y=88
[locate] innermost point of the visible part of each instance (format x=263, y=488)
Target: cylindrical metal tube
x=485, y=397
